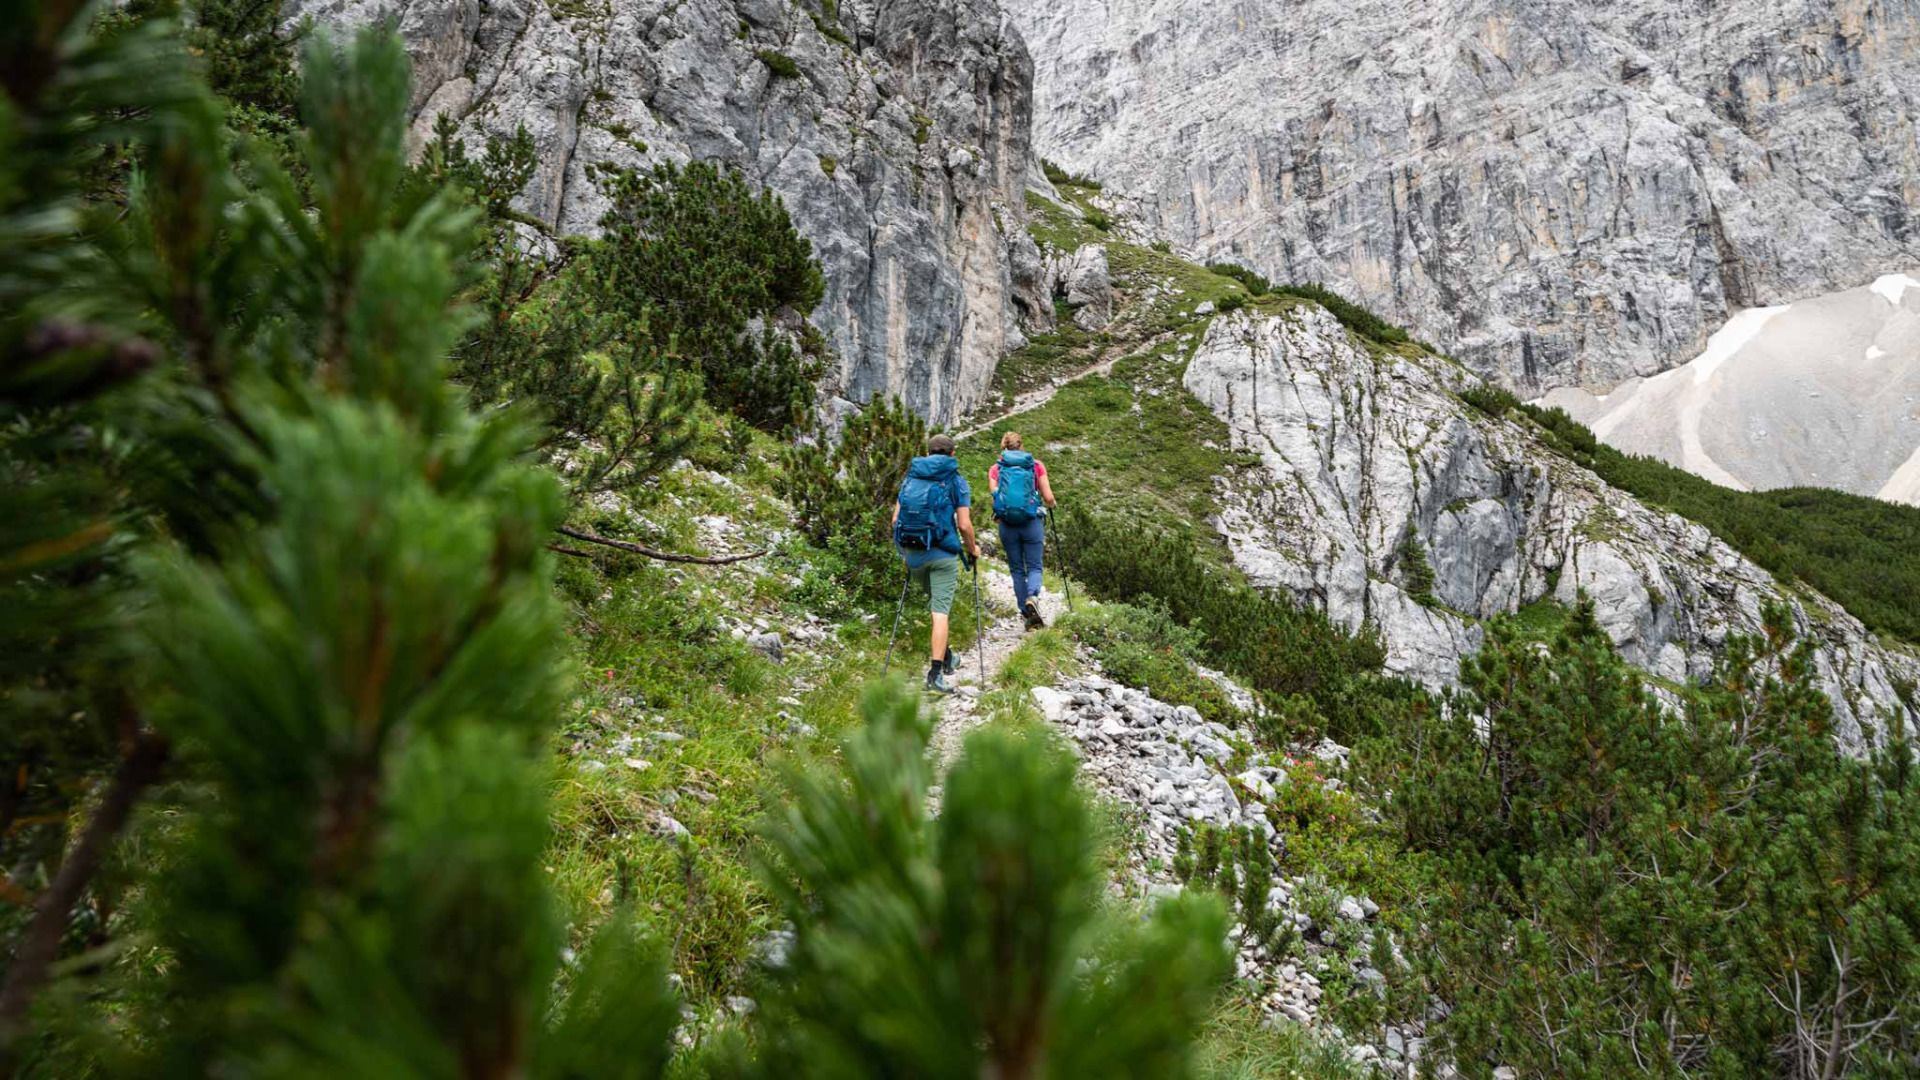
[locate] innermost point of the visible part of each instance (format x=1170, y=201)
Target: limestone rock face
x=1367, y=454
x=900, y=144
x=1088, y=286
x=1558, y=194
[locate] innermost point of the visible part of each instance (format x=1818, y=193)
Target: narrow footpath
x=961, y=711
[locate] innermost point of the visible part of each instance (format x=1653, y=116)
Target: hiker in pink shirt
x=1018, y=484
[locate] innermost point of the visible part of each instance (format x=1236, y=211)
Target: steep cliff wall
x=1370, y=456
x=1559, y=194
x=897, y=133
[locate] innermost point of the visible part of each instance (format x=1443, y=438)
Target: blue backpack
x=1017, y=500
x=925, y=522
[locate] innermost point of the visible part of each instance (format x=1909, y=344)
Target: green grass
x=674, y=716
x=1053, y=225
x=1046, y=357
x=1239, y=1043
x=1541, y=620
x=1134, y=442
x=1145, y=648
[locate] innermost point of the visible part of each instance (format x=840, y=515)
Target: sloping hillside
x=1381, y=496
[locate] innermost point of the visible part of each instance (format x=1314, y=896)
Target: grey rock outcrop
x=1179, y=773
x=1559, y=194
x=1368, y=453
x=900, y=143
x=1087, y=285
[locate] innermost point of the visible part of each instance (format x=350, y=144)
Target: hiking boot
x=937, y=683
x=946, y=666
x=1032, y=611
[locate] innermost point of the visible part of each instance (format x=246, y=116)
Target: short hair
x=940, y=444
x=1010, y=441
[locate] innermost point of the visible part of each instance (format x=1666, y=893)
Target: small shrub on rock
x=780, y=64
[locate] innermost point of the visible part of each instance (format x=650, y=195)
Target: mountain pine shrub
x=1712, y=889
x=707, y=271
x=1144, y=647
x=1863, y=553
x=976, y=943
x=843, y=493
x=1060, y=176
x=1237, y=864
x=76, y=750
x=780, y=64
x=1351, y=315
x=1255, y=283
x=1495, y=401
x=1280, y=649
x=347, y=639
x=1416, y=573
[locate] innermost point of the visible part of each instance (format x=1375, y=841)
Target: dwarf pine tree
x=354, y=660
x=972, y=944
x=1710, y=889
x=617, y=409
x=706, y=267
x=71, y=104
x=841, y=492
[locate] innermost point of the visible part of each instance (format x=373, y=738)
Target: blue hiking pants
x=1023, y=545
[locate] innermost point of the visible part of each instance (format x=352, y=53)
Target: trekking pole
x=906, y=580
x=979, y=629
x=1060, y=557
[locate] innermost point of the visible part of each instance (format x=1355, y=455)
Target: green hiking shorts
x=940, y=578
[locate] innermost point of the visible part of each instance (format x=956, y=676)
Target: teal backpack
x=925, y=520
x=1017, y=500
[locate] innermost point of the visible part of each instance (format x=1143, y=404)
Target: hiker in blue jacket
x=1018, y=485
x=933, y=531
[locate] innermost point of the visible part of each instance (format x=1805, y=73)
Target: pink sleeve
x=1039, y=471
x=993, y=473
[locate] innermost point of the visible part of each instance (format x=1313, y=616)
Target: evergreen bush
x=705, y=272
x=1257, y=285
x=349, y=641
x=1144, y=647
x=975, y=943
x=1416, y=573
x=1059, y=176
x=1351, y=315
x=1716, y=890
x=1495, y=401
x=1863, y=553
x=780, y=64
x=616, y=408
x=1279, y=648
x=1237, y=864
x=843, y=493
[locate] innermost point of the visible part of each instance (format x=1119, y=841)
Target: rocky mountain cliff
x=1374, y=466
x=897, y=133
x=1558, y=194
